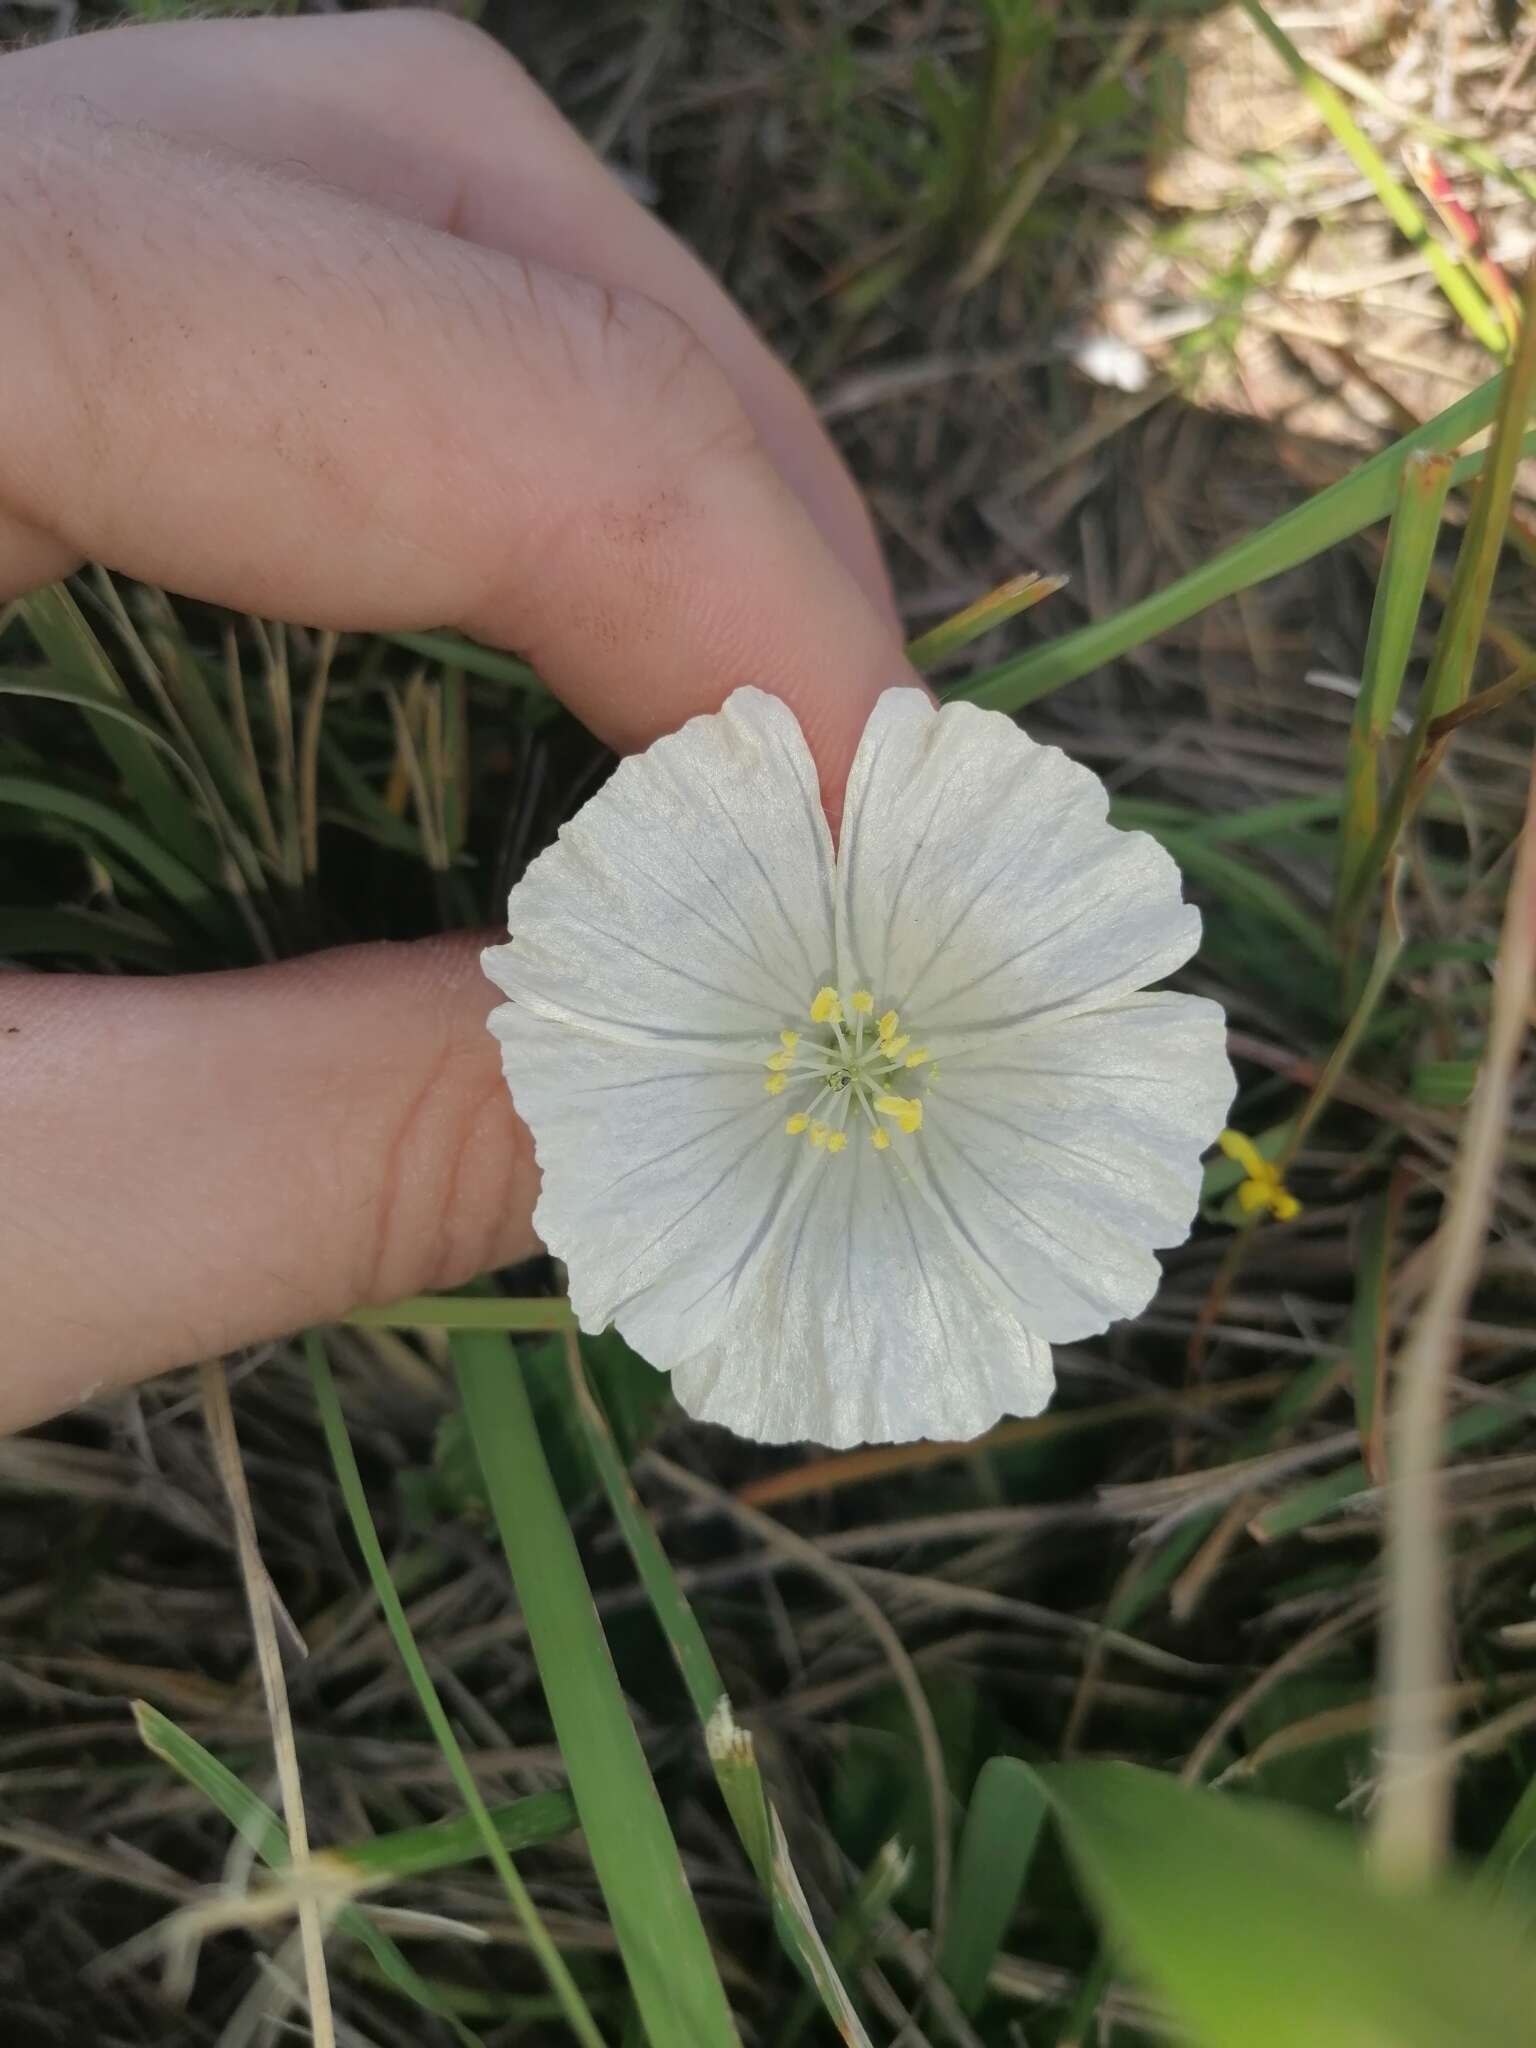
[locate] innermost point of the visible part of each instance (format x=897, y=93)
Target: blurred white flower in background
x=845, y=1141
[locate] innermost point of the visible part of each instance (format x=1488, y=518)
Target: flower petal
x=859, y=1323
x=690, y=902
x=1061, y=1157
x=979, y=884
x=663, y=1175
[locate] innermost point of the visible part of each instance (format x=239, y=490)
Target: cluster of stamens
x=853, y=1062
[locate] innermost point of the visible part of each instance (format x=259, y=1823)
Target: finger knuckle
x=417, y=36
x=452, y=1190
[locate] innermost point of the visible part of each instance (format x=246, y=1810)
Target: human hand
x=335, y=320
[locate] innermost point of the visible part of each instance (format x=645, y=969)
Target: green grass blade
x=174, y=678
x=1461, y=629
x=857, y=1932
x=95, y=934
x=252, y=1818
x=1018, y=594
x=731, y=1750
x=366, y=1536
x=248, y=1815
x=466, y=1312
x=1510, y=1865
x=1249, y=889
x=453, y=651
x=78, y=661
x=666, y=1953
x=1480, y=1422
x=1355, y=501
x=88, y=817
x=444, y=1844
x=1394, y=620
x=1263, y=1929
x=997, y=1843
x=1457, y=283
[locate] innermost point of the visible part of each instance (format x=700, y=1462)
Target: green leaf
x=1354, y=502
x=262, y=1828
x=77, y=659
x=1405, y=571
x=731, y=1749
x=633, y=1396
x=1265, y=1930
x=87, y=819
x=561, y=1982
x=666, y=1953
x=1002, y=1825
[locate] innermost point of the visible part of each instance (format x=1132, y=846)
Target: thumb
x=198, y=1163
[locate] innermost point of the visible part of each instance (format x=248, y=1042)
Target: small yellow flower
x=1263, y=1188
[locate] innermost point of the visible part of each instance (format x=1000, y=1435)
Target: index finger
x=248, y=387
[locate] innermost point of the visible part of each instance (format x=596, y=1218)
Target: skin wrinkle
x=226, y=187
x=389, y=1180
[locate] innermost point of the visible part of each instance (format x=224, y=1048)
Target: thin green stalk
x=731, y=1750
x=1450, y=670
x=256, y=1823
x=1389, y=945
x=1355, y=501
x=666, y=1953
x=564, y=1986
x=1454, y=280
x=1411, y=538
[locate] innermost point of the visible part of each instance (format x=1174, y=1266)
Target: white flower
x=846, y=1142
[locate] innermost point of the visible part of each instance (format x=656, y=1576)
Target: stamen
x=1264, y=1186
x=844, y=1072
x=906, y=1109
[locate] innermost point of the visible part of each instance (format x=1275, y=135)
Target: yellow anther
x=862, y=1001
x=820, y=1133
x=794, y=1125
x=789, y=1040
x=906, y=1109
x=893, y=1048
x=838, y=1142
x=881, y=1140
x=1264, y=1186
x=918, y=1054
x=776, y=1084
x=827, y=1008
x=888, y=1023
x=780, y=1062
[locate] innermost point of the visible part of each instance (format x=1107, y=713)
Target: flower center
x=850, y=1067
